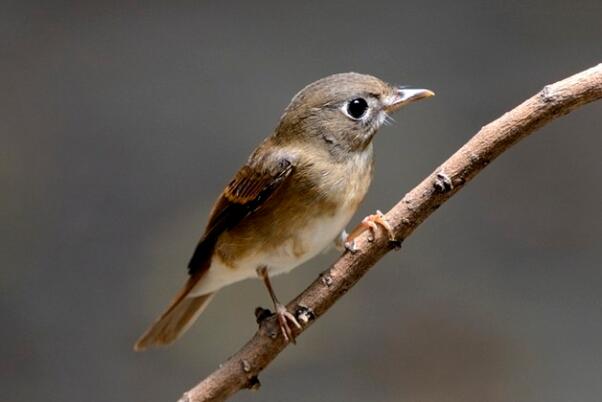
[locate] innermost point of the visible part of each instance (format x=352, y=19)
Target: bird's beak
x=403, y=96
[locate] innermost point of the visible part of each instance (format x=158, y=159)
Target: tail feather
x=175, y=320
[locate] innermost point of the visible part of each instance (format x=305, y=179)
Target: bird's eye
x=357, y=108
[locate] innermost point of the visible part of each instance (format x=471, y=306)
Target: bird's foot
x=370, y=223
x=284, y=318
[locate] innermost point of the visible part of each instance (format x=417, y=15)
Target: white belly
x=313, y=239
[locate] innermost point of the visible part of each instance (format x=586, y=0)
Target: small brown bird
x=293, y=197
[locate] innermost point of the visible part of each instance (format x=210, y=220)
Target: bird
x=292, y=199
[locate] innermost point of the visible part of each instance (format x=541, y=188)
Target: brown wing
x=251, y=186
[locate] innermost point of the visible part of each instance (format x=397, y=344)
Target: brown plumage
x=292, y=198
x=182, y=313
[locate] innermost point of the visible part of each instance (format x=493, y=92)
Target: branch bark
x=555, y=100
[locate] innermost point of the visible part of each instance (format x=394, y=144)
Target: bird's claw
x=370, y=223
x=284, y=317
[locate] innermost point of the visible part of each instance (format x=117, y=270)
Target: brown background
x=121, y=122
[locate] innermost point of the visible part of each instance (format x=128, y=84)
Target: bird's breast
x=301, y=219
x=338, y=190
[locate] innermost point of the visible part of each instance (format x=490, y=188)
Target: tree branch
x=241, y=370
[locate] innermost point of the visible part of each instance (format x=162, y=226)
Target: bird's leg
x=368, y=223
x=282, y=313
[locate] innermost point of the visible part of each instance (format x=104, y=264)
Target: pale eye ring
x=356, y=108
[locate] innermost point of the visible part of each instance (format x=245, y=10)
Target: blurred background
x=121, y=121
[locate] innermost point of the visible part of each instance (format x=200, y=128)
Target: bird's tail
x=178, y=317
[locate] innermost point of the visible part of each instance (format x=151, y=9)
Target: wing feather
x=251, y=186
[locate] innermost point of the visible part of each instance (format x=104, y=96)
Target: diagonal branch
x=555, y=100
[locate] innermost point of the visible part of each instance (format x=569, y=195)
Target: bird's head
x=343, y=111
